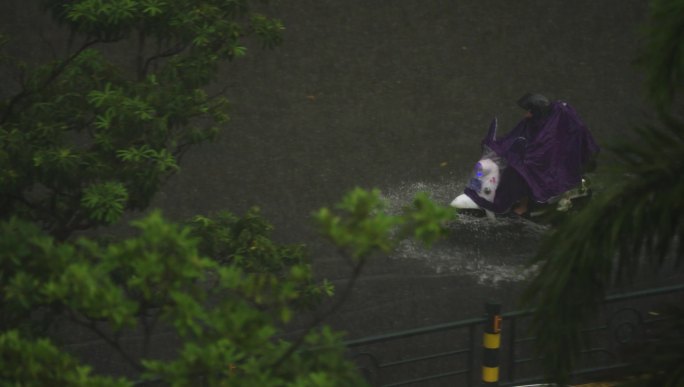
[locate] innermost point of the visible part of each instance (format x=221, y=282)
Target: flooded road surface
x=492, y=252
x=397, y=96
x=480, y=260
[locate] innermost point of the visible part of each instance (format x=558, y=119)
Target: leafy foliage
x=228, y=318
x=40, y=363
x=246, y=242
x=663, y=55
x=637, y=223
x=362, y=225
x=105, y=201
x=640, y=219
x=228, y=312
x=82, y=131
x=83, y=140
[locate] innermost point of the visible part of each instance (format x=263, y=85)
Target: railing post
x=491, y=343
x=471, y=355
x=512, y=326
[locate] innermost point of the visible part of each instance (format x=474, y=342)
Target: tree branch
x=114, y=343
x=53, y=75
x=356, y=273
x=165, y=54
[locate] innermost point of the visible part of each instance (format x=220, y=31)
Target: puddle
x=490, y=251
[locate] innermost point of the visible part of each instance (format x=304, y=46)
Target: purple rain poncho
x=543, y=157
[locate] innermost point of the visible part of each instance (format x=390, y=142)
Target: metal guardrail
x=447, y=353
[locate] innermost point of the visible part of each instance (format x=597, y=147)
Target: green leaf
x=106, y=201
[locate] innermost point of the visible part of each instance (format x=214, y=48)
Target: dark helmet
x=537, y=104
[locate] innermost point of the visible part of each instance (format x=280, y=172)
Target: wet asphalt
x=397, y=95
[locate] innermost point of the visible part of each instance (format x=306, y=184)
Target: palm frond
x=638, y=222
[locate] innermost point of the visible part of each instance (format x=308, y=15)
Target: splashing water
x=490, y=251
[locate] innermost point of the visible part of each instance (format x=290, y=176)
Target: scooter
x=485, y=180
x=570, y=200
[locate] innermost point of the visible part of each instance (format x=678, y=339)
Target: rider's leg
x=522, y=206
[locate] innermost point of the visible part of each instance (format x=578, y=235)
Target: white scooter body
x=464, y=202
x=485, y=181
x=486, y=178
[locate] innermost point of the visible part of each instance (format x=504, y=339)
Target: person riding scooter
x=541, y=158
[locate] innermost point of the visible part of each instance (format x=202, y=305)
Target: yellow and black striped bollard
x=491, y=343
